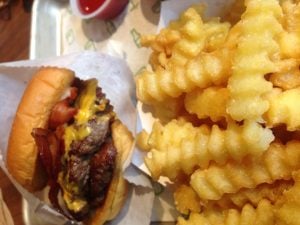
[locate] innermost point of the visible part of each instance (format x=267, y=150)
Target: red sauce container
x=102, y=9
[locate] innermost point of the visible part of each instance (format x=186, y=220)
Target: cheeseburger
x=66, y=135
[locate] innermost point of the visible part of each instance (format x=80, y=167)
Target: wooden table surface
x=14, y=45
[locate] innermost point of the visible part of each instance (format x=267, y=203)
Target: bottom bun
x=117, y=192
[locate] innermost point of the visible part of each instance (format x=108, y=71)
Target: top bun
x=42, y=93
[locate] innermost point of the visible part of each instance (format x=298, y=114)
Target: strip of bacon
x=40, y=136
x=61, y=113
x=50, y=154
x=73, y=93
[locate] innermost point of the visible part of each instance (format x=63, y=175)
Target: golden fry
x=186, y=200
x=202, y=71
x=142, y=141
x=208, y=103
x=175, y=57
x=169, y=109
x=225, y=96
x=216, y=33
x=277, y=163
x=182, y=39
x=291, y=37
x=254, y=57
x=284, y=108
x=180, y=147
x=287, y=79
x=271, y=192
x=262, y=215
x=288, y=206
x=285, y=211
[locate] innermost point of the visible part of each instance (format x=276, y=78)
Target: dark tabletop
x=14, y=45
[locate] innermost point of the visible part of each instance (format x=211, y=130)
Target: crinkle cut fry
x=185, y=38
x=262, y=215
x=256, y=53
x=202, y=71
x=287, y=208
x=211, y=103
x=291, y=37
x=285, y=211
x=192, y=39
x=185, y=66
x=284, y=108
x=186, y=200
x=168, y=110
x=271, y=192
x=180, y=147
x=277, y=163
x=207, y=103
x=288, y=74
x=181, y=39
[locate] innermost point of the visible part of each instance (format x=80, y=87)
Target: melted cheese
x=75, y=134
x=86, y=109
x=86, y=102
x=76, y=205
x=73, y=203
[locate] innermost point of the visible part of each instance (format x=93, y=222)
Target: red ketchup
x=110, y=9
x=89, y=6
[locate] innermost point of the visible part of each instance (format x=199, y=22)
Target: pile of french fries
x=225, y=93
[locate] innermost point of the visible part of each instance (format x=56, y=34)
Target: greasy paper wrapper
x=116, y=80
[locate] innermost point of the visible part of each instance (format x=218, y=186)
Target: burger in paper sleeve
x=66, y=135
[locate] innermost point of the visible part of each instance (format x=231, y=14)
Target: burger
x=66, y=136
